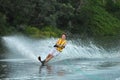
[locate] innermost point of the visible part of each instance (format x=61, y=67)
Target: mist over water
x=32, y=48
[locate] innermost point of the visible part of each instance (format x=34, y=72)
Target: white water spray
x=31, y=49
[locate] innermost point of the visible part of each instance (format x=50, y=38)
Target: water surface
x=79, y=61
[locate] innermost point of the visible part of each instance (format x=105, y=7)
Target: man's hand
x=55, y=45
x=61, y=46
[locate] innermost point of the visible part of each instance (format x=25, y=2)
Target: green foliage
x=4, y=30
x=49, y=17
x=32, y=31
x=104, y=23
x=45, y=32
x=95, y=20
x=2, y=23
x=113, y=7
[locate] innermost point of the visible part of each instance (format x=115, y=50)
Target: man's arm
x=56, y=45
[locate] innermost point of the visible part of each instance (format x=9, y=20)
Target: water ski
x=42, y=62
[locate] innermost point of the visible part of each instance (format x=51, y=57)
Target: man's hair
x=64, y=34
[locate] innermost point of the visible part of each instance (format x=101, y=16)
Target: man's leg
x=49, y=58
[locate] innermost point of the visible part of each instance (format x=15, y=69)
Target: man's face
x=63, y=36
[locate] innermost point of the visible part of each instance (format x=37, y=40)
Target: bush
x=52, y=31
x=32, y=31
x=43, y=33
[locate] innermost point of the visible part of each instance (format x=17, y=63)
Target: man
x=58, y=47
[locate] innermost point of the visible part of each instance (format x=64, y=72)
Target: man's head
x=63, y=36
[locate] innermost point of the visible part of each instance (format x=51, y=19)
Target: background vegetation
x=41, y=18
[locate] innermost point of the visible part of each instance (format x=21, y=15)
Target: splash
x=32, y=48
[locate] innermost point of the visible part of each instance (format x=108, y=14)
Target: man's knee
x=50, y=54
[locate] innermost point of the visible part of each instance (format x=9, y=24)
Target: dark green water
x=2, y=49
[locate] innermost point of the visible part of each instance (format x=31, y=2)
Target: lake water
x=81, y=60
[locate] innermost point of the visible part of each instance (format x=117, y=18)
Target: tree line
x=87, y=17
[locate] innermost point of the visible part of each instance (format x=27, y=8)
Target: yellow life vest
x=61, y=43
